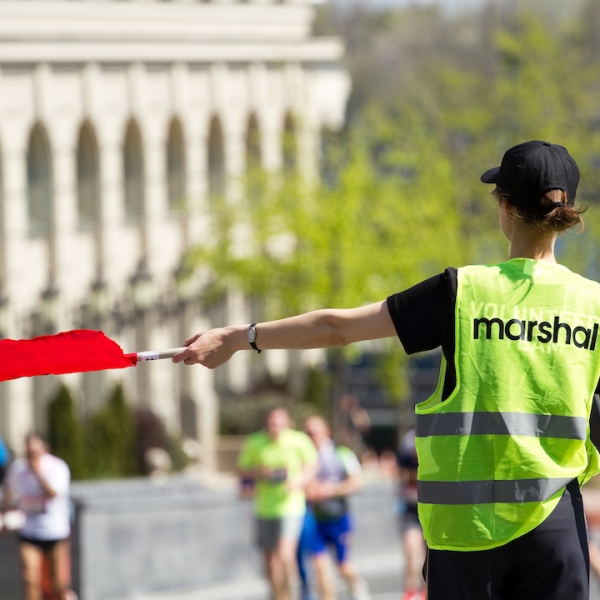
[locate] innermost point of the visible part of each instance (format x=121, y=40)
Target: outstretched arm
x=318, y=329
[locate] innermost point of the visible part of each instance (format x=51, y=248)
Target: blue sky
x=450, y=5
x=562, y=8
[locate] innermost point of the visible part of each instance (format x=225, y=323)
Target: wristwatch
x=252, y=337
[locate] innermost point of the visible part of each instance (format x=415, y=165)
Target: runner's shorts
x=336, y=533
x=408, y=518
x=45, y=545
x=270, y=531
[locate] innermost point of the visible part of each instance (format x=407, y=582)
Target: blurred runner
x=39, y=486
x=281, y=461
x=594, y=559
x=4, y=459
x=410, y=527
x=338, y=476
x=355, y=423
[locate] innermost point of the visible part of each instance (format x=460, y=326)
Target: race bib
x=33, y=504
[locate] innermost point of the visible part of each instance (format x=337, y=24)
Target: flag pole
x=148, y=355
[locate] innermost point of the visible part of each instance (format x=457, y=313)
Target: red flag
x=67, y=352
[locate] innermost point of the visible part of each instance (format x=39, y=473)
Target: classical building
x=119, y=121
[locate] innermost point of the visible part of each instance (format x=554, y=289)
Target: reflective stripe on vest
x=501, y=423
x=487, y=492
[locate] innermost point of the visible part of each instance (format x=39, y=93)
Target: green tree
x=65, y=432
x=537, y=82
x=110, y=440
x=544, y=88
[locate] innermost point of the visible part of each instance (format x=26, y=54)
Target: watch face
x=251, y=334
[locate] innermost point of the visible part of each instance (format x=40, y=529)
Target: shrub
x=113, y=443
x=110, y=440
x=65, y=432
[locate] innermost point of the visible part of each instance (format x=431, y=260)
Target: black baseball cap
x=531, y=169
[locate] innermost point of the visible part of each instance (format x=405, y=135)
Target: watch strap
x=253, y=342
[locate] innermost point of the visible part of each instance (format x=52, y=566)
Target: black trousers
x=549, y=563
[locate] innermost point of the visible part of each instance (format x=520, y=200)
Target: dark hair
x=320, y=419
x=269, y=411
x=555, y=212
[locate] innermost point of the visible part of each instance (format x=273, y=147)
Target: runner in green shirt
x=281, y=461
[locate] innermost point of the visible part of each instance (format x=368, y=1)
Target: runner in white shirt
x=38, y=485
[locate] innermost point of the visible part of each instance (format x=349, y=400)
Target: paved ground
x=386, y=586
x=383, y=573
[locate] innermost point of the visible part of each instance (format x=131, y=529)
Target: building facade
x=119, y=121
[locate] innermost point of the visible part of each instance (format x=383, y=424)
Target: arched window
x=39, y=183
x=253, y=149
x=87, y=177
x=133, y=171
x=176, y=168
x=216, y=160
x=290, y=146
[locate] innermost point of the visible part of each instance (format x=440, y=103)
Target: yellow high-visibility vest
x=495, y=457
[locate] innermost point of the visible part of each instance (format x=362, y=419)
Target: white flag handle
x=148, y=355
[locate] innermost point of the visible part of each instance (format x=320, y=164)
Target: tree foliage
x=478, y=82
x=366, y=228
x=436, y=100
